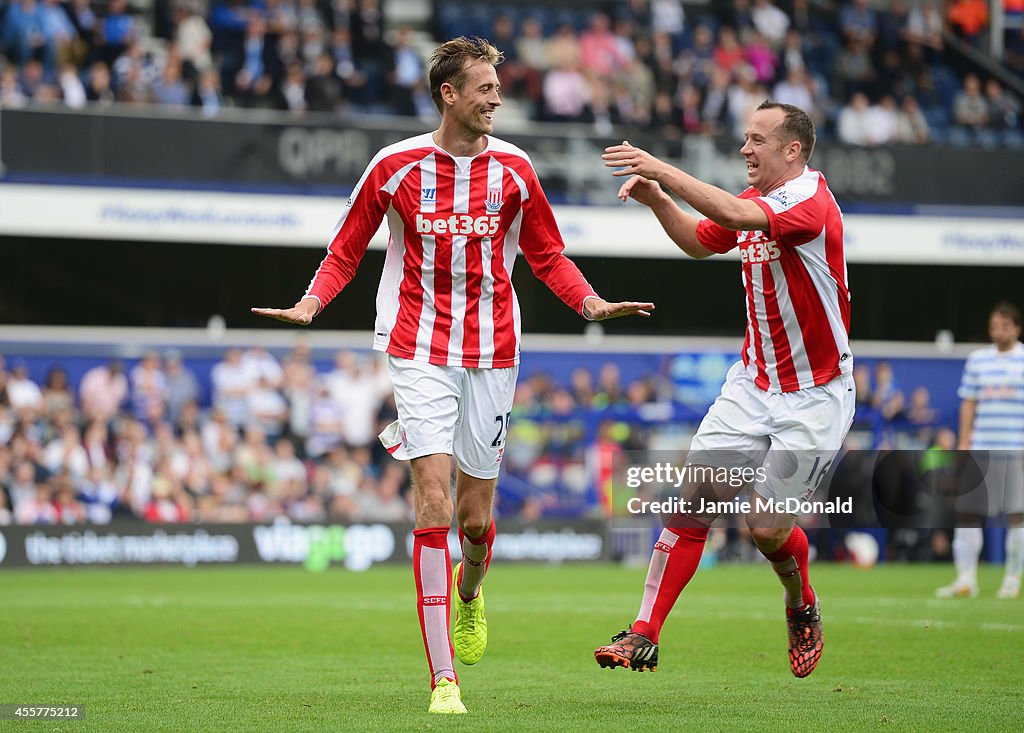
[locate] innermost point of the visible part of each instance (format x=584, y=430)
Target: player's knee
x=769, y=539
x=434, y=507
x=474, y=525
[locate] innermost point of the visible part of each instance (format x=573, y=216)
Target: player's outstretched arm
x=301, y=313
x=713, y=202
x=598, y=309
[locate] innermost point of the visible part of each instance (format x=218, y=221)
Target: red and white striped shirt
x=446, y=294
x=798, y=301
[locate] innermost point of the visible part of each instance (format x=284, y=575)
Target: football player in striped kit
x=992, y=425
x=459, y=204
x=788, y=403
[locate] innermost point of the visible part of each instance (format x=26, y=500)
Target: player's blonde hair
x=448, y=63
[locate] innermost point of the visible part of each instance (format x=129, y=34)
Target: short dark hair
x=1006, y=309
x=796, y=125
x=448, y=63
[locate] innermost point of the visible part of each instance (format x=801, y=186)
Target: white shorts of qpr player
x=795, y=436
x=454, y=410
x=997, y=487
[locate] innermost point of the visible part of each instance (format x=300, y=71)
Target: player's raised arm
x=720, y=206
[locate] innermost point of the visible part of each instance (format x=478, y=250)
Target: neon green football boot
x=446, y=699
x=469, y=632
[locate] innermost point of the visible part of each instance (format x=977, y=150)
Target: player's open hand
x=630, y=161
x=301, y=313
x=597, y=309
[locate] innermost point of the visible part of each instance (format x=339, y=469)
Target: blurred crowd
x=870, y=73
x=272, y=438
x=256, y=438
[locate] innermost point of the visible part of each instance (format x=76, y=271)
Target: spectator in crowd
x=884, y=117
x=566, y=93
x=149, y=389
x=729, y=53
x=770, y=21
x=925, y=26
x=21, y=391
x=193, y=39
x=600, y=52
x=795, y=90
x=911, y=124
x=103, y=391
x=761, y=58
x=56, y=393
x=98, y=89
x=887, y=396
x=970, y=108
x=892, y=26
x=72, y=89
x=12, y=96
x=857, y=22
x=116, y=30
x=263, y=365
x=1003, y=107
x=291, y=95
x=207, y=96
x=855, y=71
x=182, y=385
x=531, y=51
x=854, y=126
x=232, y=381
x=969, y=19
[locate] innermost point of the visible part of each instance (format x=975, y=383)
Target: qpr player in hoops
x=789, y=402
x=459, y=205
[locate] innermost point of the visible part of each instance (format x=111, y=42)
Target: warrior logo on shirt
x=428, y=195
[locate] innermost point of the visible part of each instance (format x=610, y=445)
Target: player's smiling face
x=478, y=98
x=769, y=160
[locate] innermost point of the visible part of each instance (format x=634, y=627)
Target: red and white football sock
x=476, y=559
x=674, y=561
x=790, y=563
x=432, y=567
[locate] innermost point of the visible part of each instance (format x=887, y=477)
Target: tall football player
x=460, y=204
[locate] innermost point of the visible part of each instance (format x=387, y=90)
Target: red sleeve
x=715, y=236
x=542, y=244
x=359, y=222
x=790, y=223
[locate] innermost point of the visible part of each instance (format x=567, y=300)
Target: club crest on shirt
x=428, y=195
x=494, y=201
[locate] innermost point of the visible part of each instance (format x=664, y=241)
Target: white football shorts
x=794, y=436
x=455, y=410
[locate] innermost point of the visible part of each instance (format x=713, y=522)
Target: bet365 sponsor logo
x=463, y=224
x=755, y=249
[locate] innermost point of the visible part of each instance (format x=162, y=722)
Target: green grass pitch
x=280, y=649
